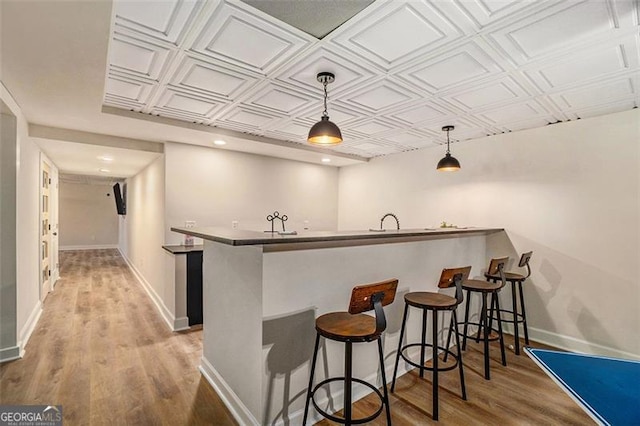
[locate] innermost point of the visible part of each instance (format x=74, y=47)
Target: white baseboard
x=9, y=354
x=239, y=411
x=181, y=323
x=30, y=325
x=89, y=247
x=157, y=301
x=576, y=345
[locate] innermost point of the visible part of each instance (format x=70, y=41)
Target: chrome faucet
x=393, y=216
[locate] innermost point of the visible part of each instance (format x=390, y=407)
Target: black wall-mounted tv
x=121, y=204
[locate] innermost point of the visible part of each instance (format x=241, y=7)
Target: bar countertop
x=239, y=237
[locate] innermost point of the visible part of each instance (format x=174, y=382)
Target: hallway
x=101, y=350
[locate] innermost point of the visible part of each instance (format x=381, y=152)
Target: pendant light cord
x=325, y=114
x=448, y=152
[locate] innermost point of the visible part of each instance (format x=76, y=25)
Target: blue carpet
x=608, y=389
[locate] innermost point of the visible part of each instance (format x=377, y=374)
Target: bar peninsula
x=262, y=292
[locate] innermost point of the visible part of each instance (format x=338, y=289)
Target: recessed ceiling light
x=104, y=170
x=326, y=160
x=219, y=142
x=105, y=158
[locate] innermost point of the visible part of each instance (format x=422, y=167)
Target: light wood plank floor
x=102, y=351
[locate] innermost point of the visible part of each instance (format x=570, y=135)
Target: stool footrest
x=520, y=317
x=440, y=348
x=475, y=334
x=341, y=420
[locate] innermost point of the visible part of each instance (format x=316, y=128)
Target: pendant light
x=325, y=132
x=448, y=163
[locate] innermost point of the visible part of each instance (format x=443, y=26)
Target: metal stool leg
x=454, y=320
x=483, y=322
x=313, y=370
x=424, y=341
x=348, y=374
x=384, y=382
x=504, y=357
x=434, y=358
x=446, y=354
x=395, y=369
x=466, y=321
x=516, y=329
x=524, y=315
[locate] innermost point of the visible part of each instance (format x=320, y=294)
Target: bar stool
x=435, y=302
x=513, y=278
x=354, y=327
x=485, y=288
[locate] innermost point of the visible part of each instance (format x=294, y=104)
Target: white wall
x=87, y=216
x=142, y=234
x=215, y=187
x=569, y=192
x=8, y=330
x=27, y=248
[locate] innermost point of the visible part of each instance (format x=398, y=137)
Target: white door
x=45, y=232
x=53, y=215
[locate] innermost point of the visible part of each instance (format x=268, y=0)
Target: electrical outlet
x=306, y=225
x=189, y=223
x=234, y=224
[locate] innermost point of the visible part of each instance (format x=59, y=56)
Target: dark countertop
x=179, y=249
x=239, y=237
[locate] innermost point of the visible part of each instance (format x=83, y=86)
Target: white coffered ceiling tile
x=463, y=65
x=425, y=111
x=369, y=127
x=292, y=131
x=137, y=56
x=278, y=98
x=485, y=12
x=322, y=59
x=186, y=105
x=211, y=79
x=519, y=116
x=244, y=118
x=126, y=89
x=608, y=108
x=411, y=139
x=495, y=93
x=610, y=58
x=516, y=112
x=377, y=97
x=166, y=20
x=559, y=28
x=244, y=36
x=396, y=32
x=594, y=95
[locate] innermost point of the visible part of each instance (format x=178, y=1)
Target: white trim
x=239, y=411
x=85, y=247
x=180, y=324
x=160, y=306
x=9, y=354
x=577, y=345
x=29, y=326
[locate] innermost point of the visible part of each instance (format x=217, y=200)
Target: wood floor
x=102, y=351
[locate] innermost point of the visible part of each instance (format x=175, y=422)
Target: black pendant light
x=325, y=132
x=448, y=163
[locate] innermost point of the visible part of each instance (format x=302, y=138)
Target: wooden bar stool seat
x=434, y=302
x=354, y=327
x=515, y=279
x=484, y=324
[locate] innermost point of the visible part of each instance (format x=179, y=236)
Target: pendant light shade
x=325, y=132
x=448, y=163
